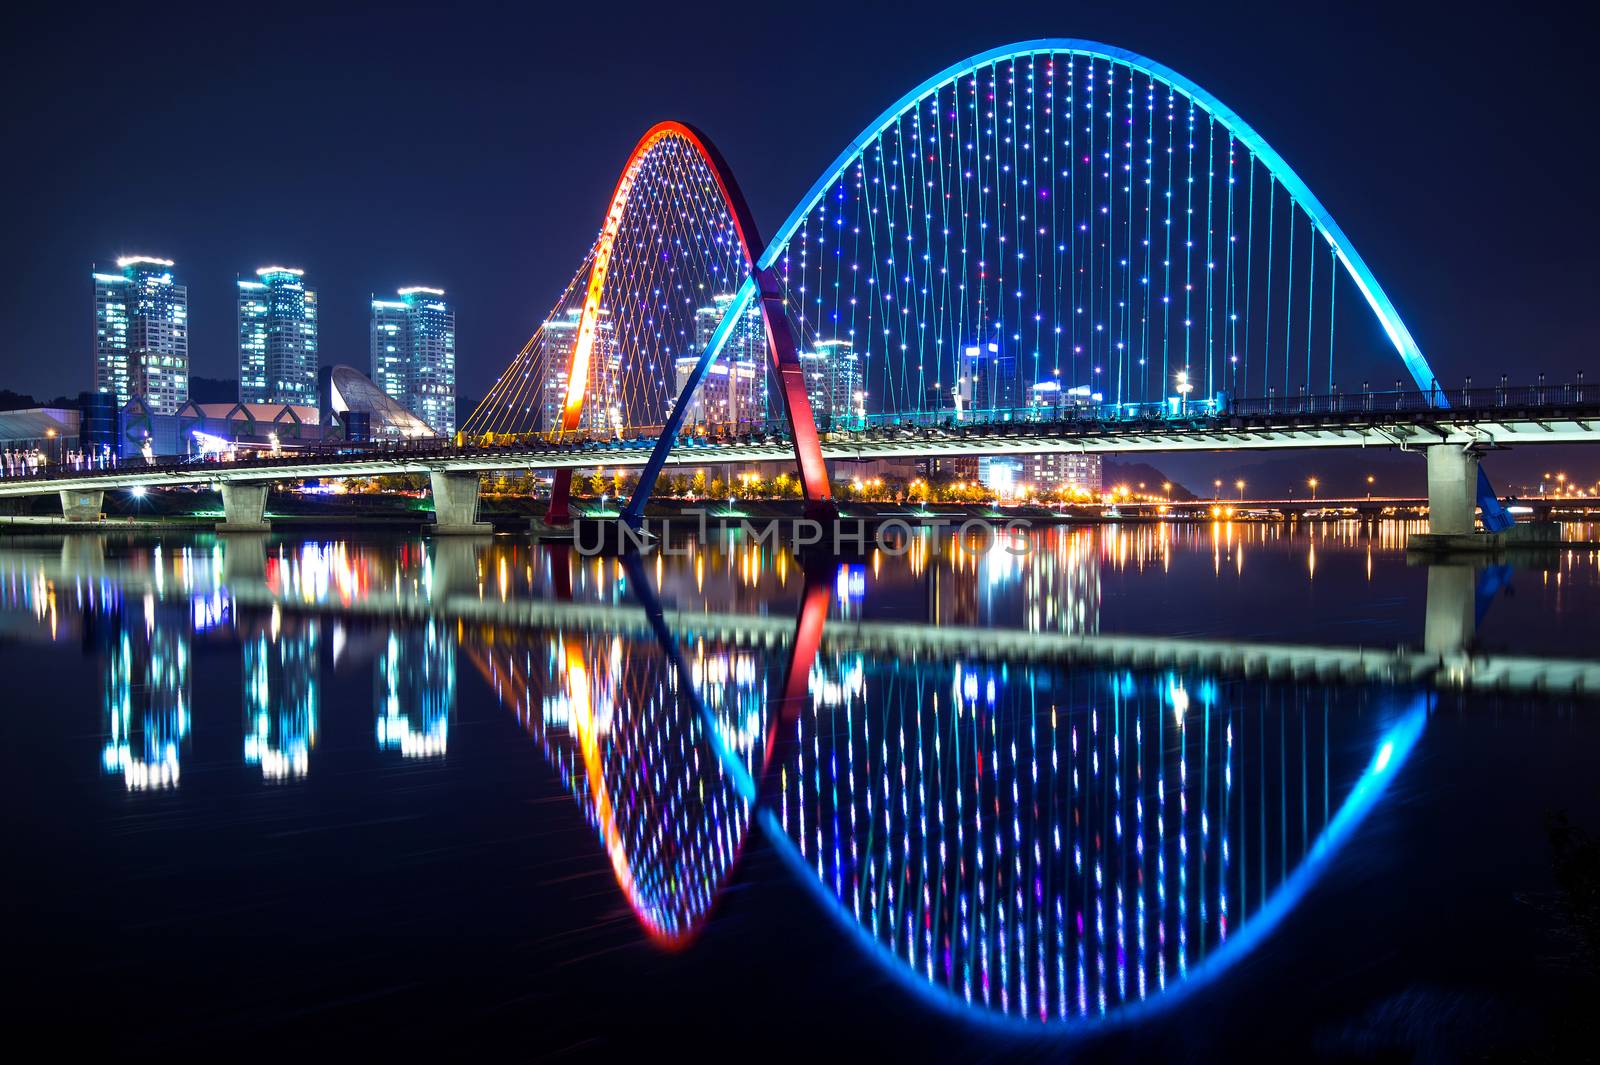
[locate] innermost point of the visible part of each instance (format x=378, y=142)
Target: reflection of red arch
x=780, y=338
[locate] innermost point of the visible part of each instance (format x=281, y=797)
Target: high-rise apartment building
x=277, y=338
x=835, y=386
x=729, y=396
x=602, y=402
x=987, y=385
x=744, y=358
x=413, y=344
x=141, y=344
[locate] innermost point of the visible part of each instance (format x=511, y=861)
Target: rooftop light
x=422, y=288
x=265, y=270
x=129, y=260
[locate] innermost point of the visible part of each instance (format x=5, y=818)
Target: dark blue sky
x=473, y=147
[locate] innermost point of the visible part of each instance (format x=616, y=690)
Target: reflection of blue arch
x=1389, y=755
x=1388, y=317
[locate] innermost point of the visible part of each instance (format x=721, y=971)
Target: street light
x=1217, y=485
x=1369, y=486
x=1240, y=486
x=1183, y=389
x=1313, y=483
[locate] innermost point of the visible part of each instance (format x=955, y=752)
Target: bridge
x=1058, y=245
x=1485, y=418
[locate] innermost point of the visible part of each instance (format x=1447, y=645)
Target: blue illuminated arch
x=1377, y=299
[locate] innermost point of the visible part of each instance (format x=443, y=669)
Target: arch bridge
x=1053, y=245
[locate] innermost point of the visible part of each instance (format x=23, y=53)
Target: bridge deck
x=1522, y=425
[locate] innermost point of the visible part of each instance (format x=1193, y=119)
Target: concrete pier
x=1452, y=491
x=1453, y=510
x=244, y=508
x=80, y=505
x=455, y=503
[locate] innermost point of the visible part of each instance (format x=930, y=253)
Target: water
x=1114, y=792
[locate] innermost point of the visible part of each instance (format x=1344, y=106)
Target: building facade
x=743, y=360
x=987, y=386
x=601, y=404
x=141, y=319
x=730, y=396
x=277, y=338
x=836, y=386
x=413, y=346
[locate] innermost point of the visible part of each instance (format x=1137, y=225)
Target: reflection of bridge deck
x=1445, y=669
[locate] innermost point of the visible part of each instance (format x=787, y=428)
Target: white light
x=137, y=491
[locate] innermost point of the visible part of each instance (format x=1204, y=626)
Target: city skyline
x=141, y=348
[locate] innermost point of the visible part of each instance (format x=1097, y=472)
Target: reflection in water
x=659, y=779
x=145, y=686
x=1019, y=830
x=1051, y=844
x=415, y=687
x=281, y=670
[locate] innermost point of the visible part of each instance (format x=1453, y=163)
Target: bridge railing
x=1497, y=397
x=1001, y=421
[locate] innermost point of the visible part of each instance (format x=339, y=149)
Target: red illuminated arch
x=781, y=343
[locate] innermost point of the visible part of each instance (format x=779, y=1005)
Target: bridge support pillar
x=1453, y=503
x=244, y=508
x=78, y=505
x=455, y=503
x=1452, y=490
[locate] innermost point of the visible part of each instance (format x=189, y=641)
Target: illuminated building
x=277, y=338
x=413, y=346
x=141, y=333
x=953, y=468
x=366, y=411
x=729, y=396
x=601, y=408
x=733, y=393
x=1044, y=473
x=835, y=385
x=1001, y=474
x=1060, y=470
x=987, y=386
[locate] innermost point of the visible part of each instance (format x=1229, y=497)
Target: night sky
x=474, y=146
